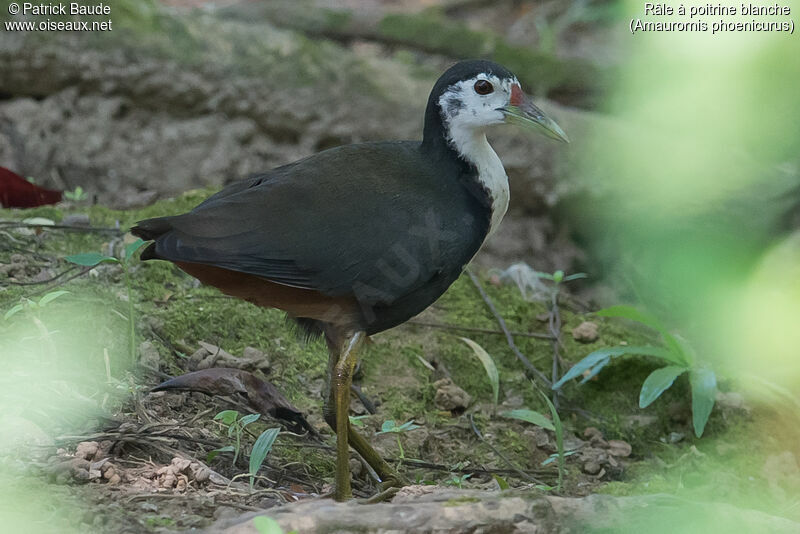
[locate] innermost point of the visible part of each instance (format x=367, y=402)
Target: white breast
x=473, y=146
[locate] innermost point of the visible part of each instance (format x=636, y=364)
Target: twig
x=521, y=357
x=85, y=229
x=445, y=326
x=513, y=467
x=56, y=277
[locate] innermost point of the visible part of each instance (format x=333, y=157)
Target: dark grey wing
x=357, y=220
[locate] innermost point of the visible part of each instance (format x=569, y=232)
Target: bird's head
x=472, y=95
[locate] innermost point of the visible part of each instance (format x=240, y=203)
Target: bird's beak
x=520, y=110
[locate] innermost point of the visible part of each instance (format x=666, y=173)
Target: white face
x=472, y=105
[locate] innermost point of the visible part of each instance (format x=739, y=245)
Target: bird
x=359, y=238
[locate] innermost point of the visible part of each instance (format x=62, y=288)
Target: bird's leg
x=341, y=363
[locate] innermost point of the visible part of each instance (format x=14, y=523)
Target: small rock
x=76, y=219
x=617, y=447
x=586, y=332
x=731, y=401
x=591, y=467
x=148, y=355
x=450, y=397
x=675, y=437
x=87, y=450
x=640, y=421
x=257, y=356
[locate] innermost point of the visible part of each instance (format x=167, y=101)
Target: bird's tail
x=151, y=230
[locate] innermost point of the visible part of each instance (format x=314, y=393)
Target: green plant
x=357, y=420
x=559, y=430
x=488, y=365
x=93, y=259
x=261, y=449
x=391, y=427
x=32, y=308
x=236, y=426
x=457, y=480
x=676, y=352
x=76, y=195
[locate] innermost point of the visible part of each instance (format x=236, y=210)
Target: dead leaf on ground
x=262, y=396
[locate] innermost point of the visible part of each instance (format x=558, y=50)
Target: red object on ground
x=17, y=192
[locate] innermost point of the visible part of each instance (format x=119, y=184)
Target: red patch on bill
x=517, y=96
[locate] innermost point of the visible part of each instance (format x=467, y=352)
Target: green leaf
x=530, y=416
x=553, y=457
x=501, y=482
x=387, y=426
x=261, y=449
x=266, y=525
x=559, y=429
x=50, y=297
x=704, y=391
x=488, y=365
x=228, y=417
x=631, y=313
x=659, y=381
x=213, y=454
x=13, y=311
x=594, y=371
x=90, y=259
x=356, y=420
x=407, y=426
x=131, y=249
x=247, y=419
x=600, y=356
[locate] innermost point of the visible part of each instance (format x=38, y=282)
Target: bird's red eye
x=483, y=87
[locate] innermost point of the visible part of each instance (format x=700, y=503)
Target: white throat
x=471, y=144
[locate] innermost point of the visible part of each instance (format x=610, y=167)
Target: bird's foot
x=382, y=496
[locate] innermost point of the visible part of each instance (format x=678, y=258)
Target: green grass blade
x=530, y=416
x=488, y=364
x=559, y=430
x=658, y=382
x=50, y=297
x=704, y=391
x=261, y=449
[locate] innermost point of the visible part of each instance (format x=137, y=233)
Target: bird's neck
x=471, y=150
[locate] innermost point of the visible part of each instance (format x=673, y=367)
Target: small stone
x=148, y=355
x=591, y=467
x=675, y=437
x=257, y=356
x=586, y=332
x=450, y=397
x=76, y=219
x=87, y=450
x=639, y=421
x=617, y=447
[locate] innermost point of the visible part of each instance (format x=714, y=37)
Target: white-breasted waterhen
x=360, y=238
